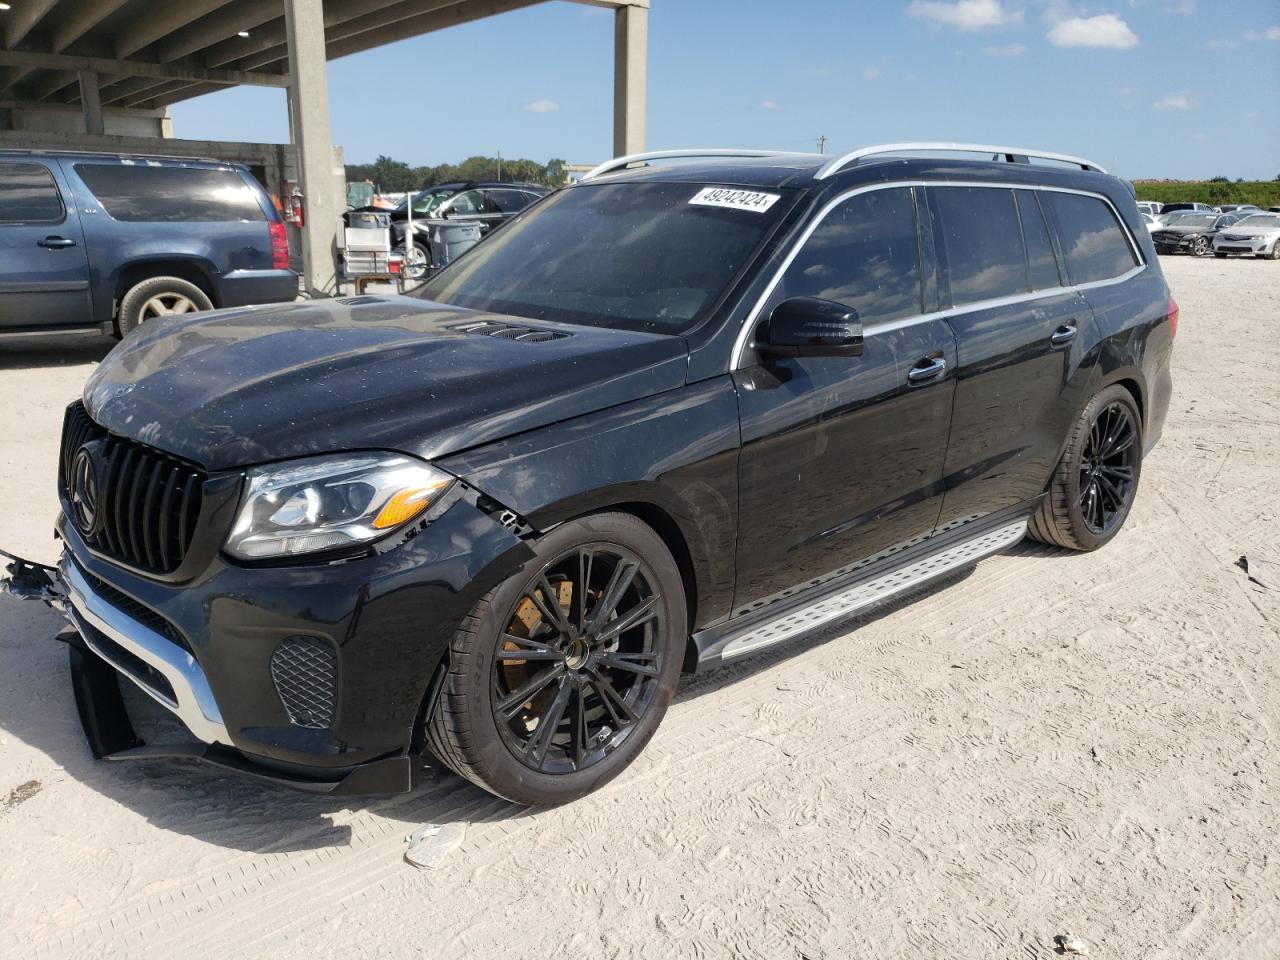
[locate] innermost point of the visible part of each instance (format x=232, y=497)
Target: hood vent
x=356, y=301
x=510, y=331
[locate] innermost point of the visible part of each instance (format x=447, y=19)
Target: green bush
x=1263, y=193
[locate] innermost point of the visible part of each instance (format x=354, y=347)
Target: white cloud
x=1104, y=30
x=1007, y=50
x=1185, y=7
x=542, y=106
x=1273, y=33
x=1201, y=137
x=1222, y=44
x=1176, y=101
x=964, y=14
x=770, y=105
x=871, y=73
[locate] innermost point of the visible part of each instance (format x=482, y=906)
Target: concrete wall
x=67, y=118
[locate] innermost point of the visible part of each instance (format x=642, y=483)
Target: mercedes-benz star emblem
x=83, y=489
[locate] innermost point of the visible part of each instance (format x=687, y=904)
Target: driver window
x=469, y=201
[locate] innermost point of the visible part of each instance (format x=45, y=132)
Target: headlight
x=327, y=503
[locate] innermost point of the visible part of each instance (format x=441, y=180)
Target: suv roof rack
x=618, y=163
x=1010, y=154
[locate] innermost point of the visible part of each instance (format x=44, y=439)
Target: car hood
x=1239, y=231
x=237, y=387
x=1184, y=231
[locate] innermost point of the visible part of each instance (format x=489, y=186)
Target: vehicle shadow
x=187, y=797
x=233, y=811
x=33, y=352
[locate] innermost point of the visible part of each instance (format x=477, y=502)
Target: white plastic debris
x=1070, y=943
x=430, y=844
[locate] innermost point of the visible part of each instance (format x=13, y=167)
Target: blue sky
x=1148, y=88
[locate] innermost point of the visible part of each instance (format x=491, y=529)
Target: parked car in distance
x=675, y=414
x=1149, y=207
x=102, y=242
x=1169, y=209
x=1240, y=208
x=488, y=203
x=1257, y=234
x=1191, y=232
x=1152, y=223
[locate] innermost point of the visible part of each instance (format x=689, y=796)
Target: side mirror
x=809, y=327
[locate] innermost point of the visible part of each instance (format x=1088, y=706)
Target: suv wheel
x=160, y=297
x=1094, y=485
x=560, y=675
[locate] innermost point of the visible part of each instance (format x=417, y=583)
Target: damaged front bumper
x=105, y=642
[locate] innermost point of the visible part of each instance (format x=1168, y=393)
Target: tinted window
x=1092, y=241
x=469, y=201
x=1041, y=260
x=637, y=256
x=28, y=194
x=509, y=201
x=982, y=242
x=142, y=193
x=864, y=254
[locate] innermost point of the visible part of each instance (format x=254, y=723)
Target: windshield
x=1260, y=220
x=425, y=202
x=638, y=256
x=1195, y=220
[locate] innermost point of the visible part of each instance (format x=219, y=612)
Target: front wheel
x=1093, y=487
x=561, y=674
x=1200, y=247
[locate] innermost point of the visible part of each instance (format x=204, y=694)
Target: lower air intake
x=305, y=673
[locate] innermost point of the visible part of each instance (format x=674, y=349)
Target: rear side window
x=865, y=254
x=1093, y=243
x=1042, y=262
x=509, y=201
x=28, y=194
x=982, y=241
x=138, y=193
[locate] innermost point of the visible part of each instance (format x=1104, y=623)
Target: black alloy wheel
x=578, y=662
x=1108, y=469
x=1096, y=480
x=560, y=674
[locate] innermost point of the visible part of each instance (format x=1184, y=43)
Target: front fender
x=676, y=452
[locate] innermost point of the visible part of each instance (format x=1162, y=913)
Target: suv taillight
x=1173, y=317
x=279, y=245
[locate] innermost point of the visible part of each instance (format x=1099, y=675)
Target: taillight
x=279, y=245
x=1173, y=317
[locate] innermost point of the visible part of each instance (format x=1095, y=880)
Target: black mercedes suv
x=685, y=410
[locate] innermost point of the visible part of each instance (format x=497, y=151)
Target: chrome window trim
x=744, y=334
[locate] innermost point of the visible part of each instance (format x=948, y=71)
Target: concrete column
x=91, y=103
x=309, y=112
x=630, y=61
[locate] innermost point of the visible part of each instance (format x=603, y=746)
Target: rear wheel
x=561, y=674
x=158, y=298
x=1094, y=485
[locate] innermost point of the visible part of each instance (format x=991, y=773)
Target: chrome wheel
x=165, y=305
x=1108, y=469
x=578, y=663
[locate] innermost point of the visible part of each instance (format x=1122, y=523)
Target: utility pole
x=822, y=143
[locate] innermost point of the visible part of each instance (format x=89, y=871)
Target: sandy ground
x=1054, y=743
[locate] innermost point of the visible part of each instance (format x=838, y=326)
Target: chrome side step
x=863, y=593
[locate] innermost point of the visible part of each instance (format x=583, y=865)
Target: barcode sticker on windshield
x=735, y=199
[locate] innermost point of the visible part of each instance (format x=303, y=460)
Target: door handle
x=1064, y=334
x=927, y=368
x=55, y=243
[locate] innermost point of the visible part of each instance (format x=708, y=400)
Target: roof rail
x=619, y=163
x=1011, y=154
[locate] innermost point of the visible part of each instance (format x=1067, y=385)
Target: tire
x=1200, y=247
x=157, y=297
x=1275, y=251
x=1068, y=514
x=486, y=676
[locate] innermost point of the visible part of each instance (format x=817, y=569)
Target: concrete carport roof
x=152, y=53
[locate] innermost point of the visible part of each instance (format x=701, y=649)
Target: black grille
x=130, y=663
x=305, y=673
x=136, y=610
x=147, y=501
